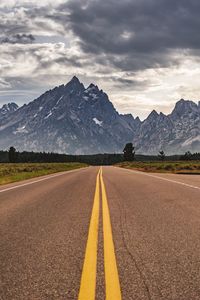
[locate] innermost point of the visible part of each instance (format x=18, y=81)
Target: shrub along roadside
x=178, y=167
x=10, y=172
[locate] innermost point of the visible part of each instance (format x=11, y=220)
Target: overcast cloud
x=144, y=53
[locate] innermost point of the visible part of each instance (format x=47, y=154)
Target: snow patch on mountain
x=97, y=122
x=49, y=115
x=21, y=130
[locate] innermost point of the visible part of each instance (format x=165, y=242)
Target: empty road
x=101, y=233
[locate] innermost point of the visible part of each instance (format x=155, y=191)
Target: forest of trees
x=190, y=156
x=22, y=157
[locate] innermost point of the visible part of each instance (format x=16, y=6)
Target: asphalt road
x=130, y=235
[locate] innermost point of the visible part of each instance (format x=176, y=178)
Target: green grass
x=177, y=167
x=15, y=172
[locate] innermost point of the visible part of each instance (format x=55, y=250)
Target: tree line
x=14, y=156
x=129, y=155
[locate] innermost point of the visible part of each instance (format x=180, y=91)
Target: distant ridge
x=75, y=119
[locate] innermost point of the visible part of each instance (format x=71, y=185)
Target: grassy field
x=178, y=167
x=16, y=172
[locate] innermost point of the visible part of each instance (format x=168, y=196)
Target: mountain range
x=75, y=119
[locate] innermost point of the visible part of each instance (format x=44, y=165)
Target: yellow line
x=113, y=291
x=88, y=279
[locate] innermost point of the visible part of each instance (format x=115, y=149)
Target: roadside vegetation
x=12, y=172
x=177, y=167
x=16, y=166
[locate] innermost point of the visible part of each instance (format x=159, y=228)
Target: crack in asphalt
x=131, y=255
x=147, y=289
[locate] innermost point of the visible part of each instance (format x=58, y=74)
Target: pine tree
x=129, y=152
x=161, y=155
x=12, y=155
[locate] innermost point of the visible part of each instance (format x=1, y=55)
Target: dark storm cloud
x=130, y=35
x=61, y=61
x=113, y=43
x=134, y=34
x=18, y=39
x=129, y=84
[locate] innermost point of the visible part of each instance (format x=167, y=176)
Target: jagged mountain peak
x=185, y=104
x=8, y=108
x=75, y=80
x=162, y=114
x=69, y=118
x=184, y=107
x=75, y=83
x=12, y=106
x=73, y=119
x=177, y=132
x=138, y=119
x=92, y=88
x=153, y=115
x=127, y=116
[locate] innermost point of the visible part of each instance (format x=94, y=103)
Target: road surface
x=95, y=233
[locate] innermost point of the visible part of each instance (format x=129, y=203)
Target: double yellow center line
x=88, y=279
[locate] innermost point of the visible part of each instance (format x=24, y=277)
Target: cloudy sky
x=144, y=53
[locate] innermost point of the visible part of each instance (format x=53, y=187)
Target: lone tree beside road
x=12, y=155
x=161, y=155
x=129, y=152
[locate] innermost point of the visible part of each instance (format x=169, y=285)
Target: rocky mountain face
x=70, y=119
x=177, y=132
x=74, y=119
x=7, y=109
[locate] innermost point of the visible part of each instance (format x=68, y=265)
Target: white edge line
x=42, y=179
x=158, y=177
